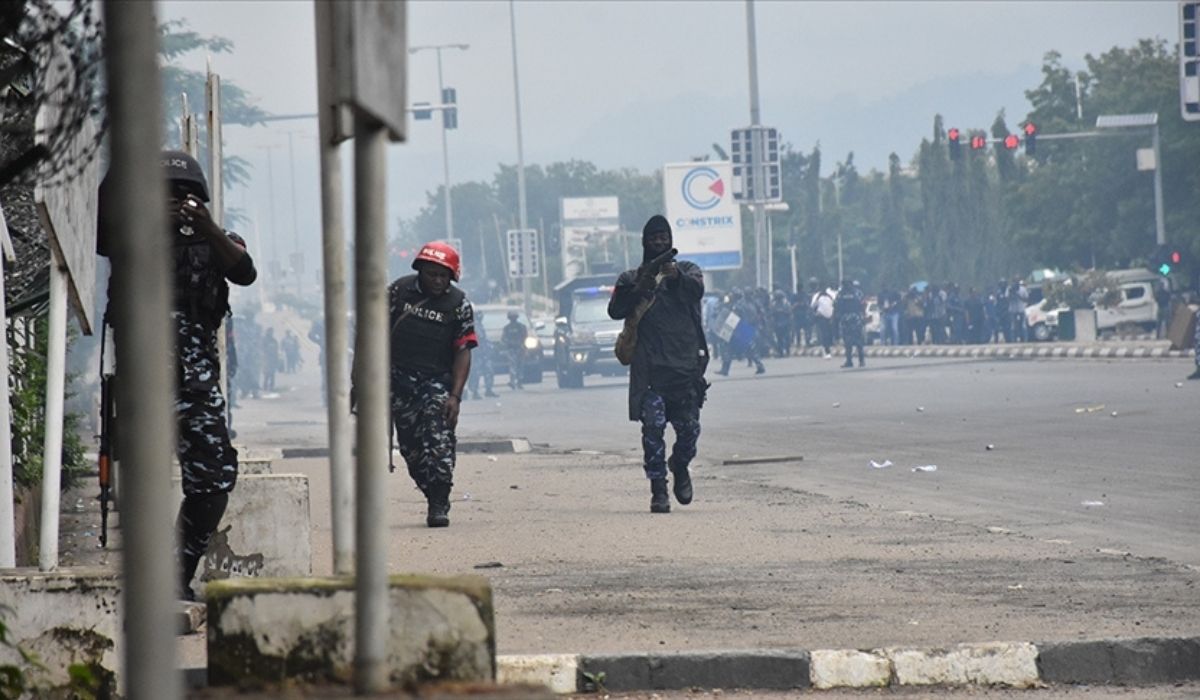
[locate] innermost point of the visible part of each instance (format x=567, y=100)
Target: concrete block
x=1148, y=660
x=268, y=630
x=64, y=618
x=558, y=672
x=997, y=663
x=848, y=668
x=266, y=530
x=254, y=466
x=751, y=669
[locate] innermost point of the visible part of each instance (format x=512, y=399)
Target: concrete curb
x=1011, y=664
x=1024, y=352
x=480, y=446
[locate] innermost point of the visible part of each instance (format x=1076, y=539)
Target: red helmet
x=442, y=254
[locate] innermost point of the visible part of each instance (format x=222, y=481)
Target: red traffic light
x=1011, y=142
x=1176, y=257
x=1030, y=128
x=953, y=134
x=978, y=142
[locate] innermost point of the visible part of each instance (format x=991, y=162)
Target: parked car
x=495, y=318
x=1137, y=307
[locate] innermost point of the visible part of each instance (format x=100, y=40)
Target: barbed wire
x=51, y=62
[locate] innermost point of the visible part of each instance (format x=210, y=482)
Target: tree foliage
x=1074, y=204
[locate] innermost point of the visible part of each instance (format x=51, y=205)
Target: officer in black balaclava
x=206, y=259
x=666, y=377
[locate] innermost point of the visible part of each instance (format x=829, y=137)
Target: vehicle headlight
x=580, y=357
x=531, y=343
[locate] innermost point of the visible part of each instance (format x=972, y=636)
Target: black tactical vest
x=201, y=291
x=422, y=332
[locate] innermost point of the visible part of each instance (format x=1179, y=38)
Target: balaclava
x=657, y=223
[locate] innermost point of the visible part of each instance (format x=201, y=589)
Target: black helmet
x=180, y=167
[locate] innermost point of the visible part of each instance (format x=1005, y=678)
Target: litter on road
x=1092, y=504
x=881, y=465
x=925, y=468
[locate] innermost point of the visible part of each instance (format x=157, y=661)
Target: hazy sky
x=637, y=84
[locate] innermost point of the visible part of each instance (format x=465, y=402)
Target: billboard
x=587, y=222
x=705, y=218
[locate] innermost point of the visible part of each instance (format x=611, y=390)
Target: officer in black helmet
x=206, y=259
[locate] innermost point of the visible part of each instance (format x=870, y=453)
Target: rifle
x=107, y=426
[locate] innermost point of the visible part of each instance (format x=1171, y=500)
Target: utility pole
x=760, y=273
x=445, y=151
x=521, y=218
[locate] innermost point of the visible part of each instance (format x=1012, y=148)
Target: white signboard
x=585, y=222
x=523, y=258
x=705, y=218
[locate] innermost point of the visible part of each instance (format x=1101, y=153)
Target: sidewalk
x=1128, y=348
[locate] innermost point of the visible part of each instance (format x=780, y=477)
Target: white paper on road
x=1092, y=504
x=925, y=468
x=884, y=465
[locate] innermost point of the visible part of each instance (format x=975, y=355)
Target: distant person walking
x=666, y=377
x=850, y=310
x=822, y=307
x=270, y=360
x=513, y=339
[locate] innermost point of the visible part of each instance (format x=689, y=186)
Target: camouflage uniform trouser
x=207, y=460
x=206, y=457
x=684, y=417
x=1196, y=339
x=426, y=442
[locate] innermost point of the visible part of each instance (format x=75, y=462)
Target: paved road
x=1065, y=433
x=823, y=552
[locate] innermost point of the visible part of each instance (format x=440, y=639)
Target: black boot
x=439, y=506
x=199, y=516
x=682, y=485
x=1196, y=374
x=660, y=502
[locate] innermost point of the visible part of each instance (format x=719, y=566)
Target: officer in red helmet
x=432, y=334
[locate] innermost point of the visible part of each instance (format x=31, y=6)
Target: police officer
x=849, y=309
x=513, y=338
x=666, y=377
x=432, y=334
x=206, y=259
x=482, y=361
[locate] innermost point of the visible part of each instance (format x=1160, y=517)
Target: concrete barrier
x=65, y=618
x=266, y=530
x=271, y=630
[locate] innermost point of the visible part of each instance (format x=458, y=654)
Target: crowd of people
x=779, y=323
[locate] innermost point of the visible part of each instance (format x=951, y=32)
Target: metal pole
x=770, y=254
x=292, y=175
x=760, y=273
x=1160, y=236
x=8, y=547
x=445, y=155
x=56, y=367
x=521, y=214
x=271, y=208
x=837, y=207
x=371, y=342
x=333, y=251
x=792, y=254
x=141, y=294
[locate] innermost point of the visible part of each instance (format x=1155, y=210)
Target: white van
x=1137, y=305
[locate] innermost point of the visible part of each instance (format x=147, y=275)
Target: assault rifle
x=108, y=425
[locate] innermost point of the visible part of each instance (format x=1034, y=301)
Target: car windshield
x=591, y=310
x=494, y=321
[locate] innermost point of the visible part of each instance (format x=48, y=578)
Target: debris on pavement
x=837, y=404
x=920, y=409
x=1092, y=504
x=925, y=468
x=1090, y=409
x=489, y=565
x=989, y=447
x=881, y=465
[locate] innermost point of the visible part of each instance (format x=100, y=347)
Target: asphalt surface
x=1076, y=524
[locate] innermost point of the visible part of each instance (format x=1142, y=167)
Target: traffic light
x=449, y=111
x=1011, y=142
x=978, y=141
x=1167, y=260
x=955, y=144
x=1030, y=138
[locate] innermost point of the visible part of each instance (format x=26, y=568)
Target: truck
x=584, y=335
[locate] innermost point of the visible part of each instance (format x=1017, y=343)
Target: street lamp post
x=522, y=219
x=775, y=206
x=445, y=151
x=1143, y=121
